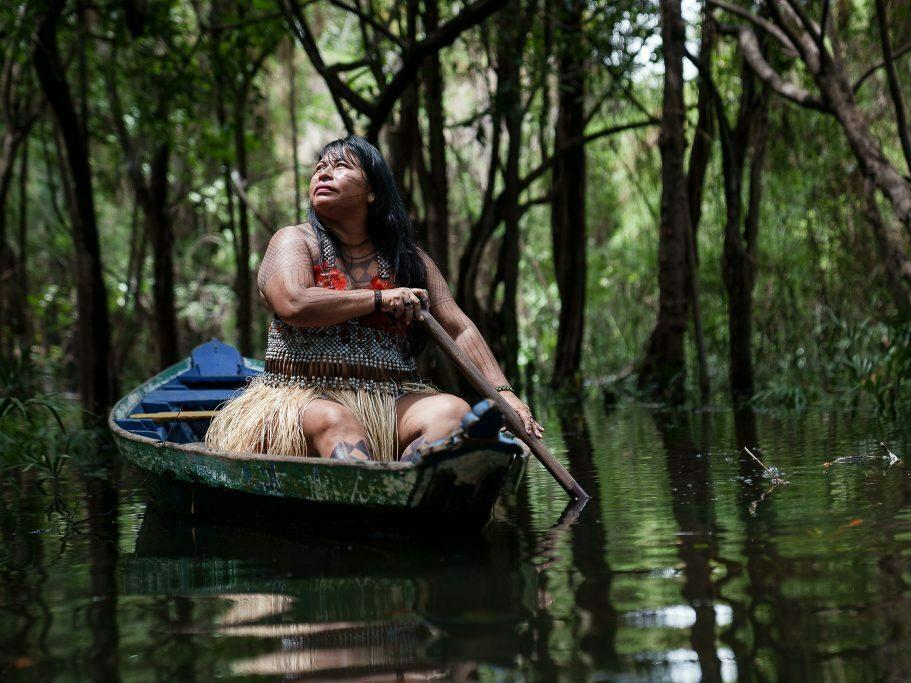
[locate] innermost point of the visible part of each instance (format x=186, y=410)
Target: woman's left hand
x=524, y=412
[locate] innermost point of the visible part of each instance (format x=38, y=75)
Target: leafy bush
x=868, y=359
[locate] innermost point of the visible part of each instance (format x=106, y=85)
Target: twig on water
x=774, y=477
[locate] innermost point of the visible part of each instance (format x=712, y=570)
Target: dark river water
x=689, y=563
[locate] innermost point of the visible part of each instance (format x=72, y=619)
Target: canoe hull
x=455, y=491
x=453, y=487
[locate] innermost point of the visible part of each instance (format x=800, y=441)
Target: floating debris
x=774, y=475
x=886, y=456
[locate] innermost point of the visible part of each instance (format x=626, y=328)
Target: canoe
x=454, y=486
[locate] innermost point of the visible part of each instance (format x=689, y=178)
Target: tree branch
x=445, y=35
x=900, y=52
x=577, y=141
x=749, y=47
x=338, y=89
x=824, y=24
x=807, y=50
x=894, y=88
x=367, y=19
x=757, y=21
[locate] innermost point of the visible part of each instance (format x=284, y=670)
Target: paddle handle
x=513, y=421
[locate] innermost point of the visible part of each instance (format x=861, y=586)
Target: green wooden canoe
x=455, y=486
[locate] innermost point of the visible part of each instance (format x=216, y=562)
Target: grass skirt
x=267, y=419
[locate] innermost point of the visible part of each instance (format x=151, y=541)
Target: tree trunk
x=158, y=217
x=480, y=233
x=406, y=139
x=24, y=330
x=738, y=265
x=436, y=200
x=898, y=103
x=741, y=361
x=7, y=258
x=568, y=196
x=867, y=149
x=93, y=330
x=700, y=155
x=832, y=80
x=506, y=113
x=662, y=371
x=891, y=253
x=150, y=190
x=242, y=281
x=509, y=58
x=292, y=111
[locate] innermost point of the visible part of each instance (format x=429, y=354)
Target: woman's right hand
x=403, y=301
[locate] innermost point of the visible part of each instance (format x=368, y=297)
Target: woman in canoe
x=346, y=288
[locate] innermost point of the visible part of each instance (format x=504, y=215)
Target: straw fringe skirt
x=267, y=419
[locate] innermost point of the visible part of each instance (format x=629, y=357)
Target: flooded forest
x=683, y=227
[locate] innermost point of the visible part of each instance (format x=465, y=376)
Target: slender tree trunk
x=7, y=259
x=568, y=195
x=150, y=189
x=892, y=253
x=242, y=282
x=406, y=139
x=221, y=116
x=738, y=265
x=700, y=154
x=24, y=331
x=160, y=230
x=663, y=369
x=499, y=324
x=898, y=103
x=509, y=57
x=93, y=329
x=741, y=330
x=437, y=199
x=874, y=164
x=292, y=111
x=480, y=233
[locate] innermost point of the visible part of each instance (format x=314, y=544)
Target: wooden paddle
x=513, y=421
x=176, y=416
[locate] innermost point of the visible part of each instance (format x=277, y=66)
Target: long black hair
x=388, y=225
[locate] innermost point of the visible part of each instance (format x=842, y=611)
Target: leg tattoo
x=412, y=449
x=347, y=451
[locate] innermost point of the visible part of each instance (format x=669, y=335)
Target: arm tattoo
x=459, y=326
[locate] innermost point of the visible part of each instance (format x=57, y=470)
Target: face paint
x=338, y=184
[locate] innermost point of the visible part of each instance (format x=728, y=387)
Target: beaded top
x=370, y=352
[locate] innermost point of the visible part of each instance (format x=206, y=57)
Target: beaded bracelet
x=377, y=299
x=504, y=387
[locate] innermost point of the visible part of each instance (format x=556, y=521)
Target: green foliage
x=180, y=81
x=33, y=425
x=868, y=359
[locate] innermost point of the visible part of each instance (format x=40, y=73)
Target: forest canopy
x=690, y=202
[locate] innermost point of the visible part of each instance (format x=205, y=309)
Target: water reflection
x=101, y=613
x=673, y=571
x=589, y=547
x=692, y=504
x=324, y=608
